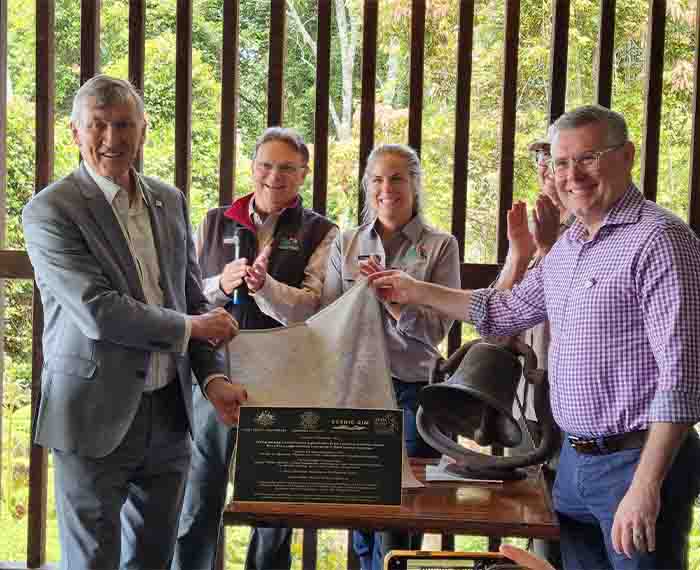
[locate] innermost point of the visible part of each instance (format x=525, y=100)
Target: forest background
x=391, y=126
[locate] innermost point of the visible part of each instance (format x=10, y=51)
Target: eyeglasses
x=285, y=169
x=588, y=161
x=542, y=158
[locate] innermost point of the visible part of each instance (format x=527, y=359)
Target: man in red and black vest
x=264, y=259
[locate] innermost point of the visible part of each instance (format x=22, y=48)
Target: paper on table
x=336, y=359
x=439, y=473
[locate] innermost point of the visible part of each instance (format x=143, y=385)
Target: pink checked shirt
x=624, y=311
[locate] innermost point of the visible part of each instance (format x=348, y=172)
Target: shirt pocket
x=604, y=294
x=418, y=269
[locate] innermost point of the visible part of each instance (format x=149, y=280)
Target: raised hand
x=257, y=273
x=216, y=326
x=546, y=221
x=522, y=242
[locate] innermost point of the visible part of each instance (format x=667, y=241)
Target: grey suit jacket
x=99, y=332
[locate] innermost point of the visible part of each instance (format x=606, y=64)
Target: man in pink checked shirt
x=620, y=290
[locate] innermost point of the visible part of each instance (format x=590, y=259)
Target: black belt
x=609, y=444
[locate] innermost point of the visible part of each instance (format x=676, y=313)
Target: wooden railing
x=15, y=265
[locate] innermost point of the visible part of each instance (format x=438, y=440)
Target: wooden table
x=520, y=508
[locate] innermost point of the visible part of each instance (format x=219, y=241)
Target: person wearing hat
x=541, y=152
x=550, y=219
x=527, y=249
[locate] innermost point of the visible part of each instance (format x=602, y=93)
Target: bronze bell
x=477, y=400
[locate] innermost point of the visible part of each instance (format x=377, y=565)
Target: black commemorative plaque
x=319, y=455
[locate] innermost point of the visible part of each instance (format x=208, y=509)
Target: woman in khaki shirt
x=394, y=235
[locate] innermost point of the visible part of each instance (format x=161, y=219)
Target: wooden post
x=652, y=102
x=323, y=74
x=229, y=111
x=45, y=95
x=415, y=105
x=137, y=53
x=89, y=39
x=465, y=41
x=606, y=53
x=369, y=82
x=275, y=78
x=508, y=117
x=183, y=96
x=558, y=59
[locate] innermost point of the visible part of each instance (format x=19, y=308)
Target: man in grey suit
x=125, y=323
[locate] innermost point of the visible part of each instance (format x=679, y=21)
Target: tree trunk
x=348, y=46
x=348, y=41
x=392, y=72
x=347, y=37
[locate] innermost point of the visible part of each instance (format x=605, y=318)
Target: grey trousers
x=121, y=510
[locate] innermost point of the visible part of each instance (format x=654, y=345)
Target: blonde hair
x=414, y=170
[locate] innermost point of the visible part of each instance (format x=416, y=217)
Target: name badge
x=410, y=257
x=414, y=254
x=289, y=244
x=368, y=256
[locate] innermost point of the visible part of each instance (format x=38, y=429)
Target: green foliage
x=16, y=453
x=20, y=166
x=392, y=98
x=21, y=57
x=14, y=477
x=20, y=186
x=694, y=543
x=253, y=65
x=67, y=34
